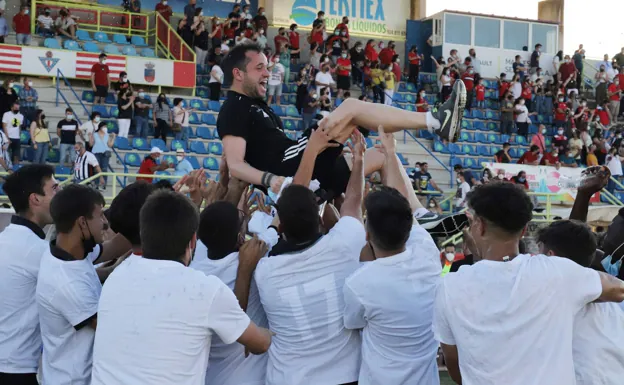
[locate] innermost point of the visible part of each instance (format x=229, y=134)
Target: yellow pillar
x=418, y=9
x=552, y=10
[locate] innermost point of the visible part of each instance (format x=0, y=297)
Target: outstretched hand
x=320, y=141
x=388, y=142
x=594, y=179
x=357, y=145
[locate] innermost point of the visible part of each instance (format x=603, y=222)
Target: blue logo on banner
x=304, y=12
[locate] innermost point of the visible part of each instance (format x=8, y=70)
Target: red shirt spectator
x=424, y=107
x=101, y=72
x=480, y=92
x=620, y=77
x=22, y=23
x=526, y=93
x=293, y=37
x=317, y=37
x=385, y=55
x=604, y=116
x=585, y=116
x=613, y=88
x=370, y=53
x=146, y=168
x=229, y=32
x=529, y=157
x=550, y=158
x=396, y=69
x=502, y=88
x=219, y=28
x=164, y=10
x=468, y=81
x=343, y=27
x=566, y=70
x=249, y=32
x=413, y=58
x=560, y=115
x=344, y=63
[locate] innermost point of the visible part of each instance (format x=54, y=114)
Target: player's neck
x=499, y=250
x=238, y=88
x=387, y=253
x=71, y=244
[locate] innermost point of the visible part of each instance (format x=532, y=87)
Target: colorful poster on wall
x=379, y=18
x=37, y=61
x=150, y=71
x=220, y=8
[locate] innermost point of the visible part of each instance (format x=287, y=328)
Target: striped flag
x=10, y=58
x=85, y=60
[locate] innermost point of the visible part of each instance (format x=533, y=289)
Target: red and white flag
x=85, y=61
x=10, y=58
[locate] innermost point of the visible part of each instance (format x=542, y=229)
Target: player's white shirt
x=512, y=321
x=68, y=291
x=20, y=257
x=301, y=293
x=156, y=319
x=392, y=300
x=598, y=345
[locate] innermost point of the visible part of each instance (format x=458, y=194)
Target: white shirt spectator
x=614, y=163
x=22, y=243
x=155, y=315
x=47, y=21
x=460, y=196
x=68, y=291
x=516, y=89
x=522, y=114
x=324, y=78
x=66, y=22
x=398, y=346
x=302, y=295
x=87, y=129
x=84, y=166
x=598, y=345
x=4, y=150
x=277, y=74
x=216, y=70
x=13, y=123
x=530, y=303
x=182, y=119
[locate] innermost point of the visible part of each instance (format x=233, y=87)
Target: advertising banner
x=220, y=8
x=46, y=62
x=380, y=18
x=150, y=71
x=546, y=179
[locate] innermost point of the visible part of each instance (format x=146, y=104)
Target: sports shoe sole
x=458, y=111
x=446, y=226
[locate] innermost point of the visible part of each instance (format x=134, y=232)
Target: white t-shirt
x=217, y=71
x=277, y=74
x=4, y=150
x=614, y=163
x=512, y=321
x=522, y=114
x=47, y=21
x=20, y=339
x=460, y=196
x=516, y=89
x=156, y=320
x=598, y=345
x=301, y=293
x=13, y=123
x=324, y=78
x=87, y=129
x=398, y=346
x=68, y=291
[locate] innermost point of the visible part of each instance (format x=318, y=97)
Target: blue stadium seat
x=148, y=52
x=120, y=39
x=170, y=159
x=198, y=147
x=111, y=49
x=140, y=144
x=520, y=140
x=215, y=148
x=156, y=142
x=409, y=98
x=454, y=148
x=467, y=124
x=138, y=41
x=411, y=88
x=479, y=125
x=198, y=104
x=193, y=161
x=477, y=114
x=493, y=126
x=193, y=118
x=398, y=98
x=494, y=138
x=481, y=137
x=51, y=43
x=83, y=35
x=483, y=150
x=132, y=159
x=453, y=161
x=425, y=134
x=122, y=144
x=471, y=163
x=175, y=144
x=53, y=155
x=60, y=170
x=291, y=135
x=211, y=164
x=440, y=147
x=129, y=51
x=111, y=98
x=204, y=132
x=480, y=161
x=410, y=107
x=102, y=110
x=402, y=87
x=279, y=111
x=24, y=137
x=369, y=143
x=470, y=149
x=91, y=47
x=464, y=136
x=513, y=152
x=209, y=119
x=71, y=45
x=214, y=106
x=521, y=151
x=290, y=124
x=114, y=111
x=102, y=37
x=154, y=180
x=203, y=92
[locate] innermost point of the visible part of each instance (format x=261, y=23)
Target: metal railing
x=169, y=42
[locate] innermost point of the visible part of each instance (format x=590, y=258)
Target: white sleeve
x=354, y=309
x=5, y=118
x=441, y=328
x=581, y=285
x=225, y=316
x=270, y=237
x=96, y=253
x=349, y=233
x=78, y=300
x=92, y=160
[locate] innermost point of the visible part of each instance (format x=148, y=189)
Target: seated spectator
x=521, y=180
x=65, y=25
x=149, y=165
x=487, y=176
x=567, y=159
x=21, y=26
x=183, y=167
x=591, y=159
x=530, y=157
x=421, y=103
x=614, y=163
x=551, y=158
x=560, y=139
x=434, y=206
x=503, y=156
x=462, y=192
x=422, y=179
x=45, y=23
x=500, y=175
x=575, y=144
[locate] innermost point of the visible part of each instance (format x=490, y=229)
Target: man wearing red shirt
x=280, y=40
x=480, y=91
x=343, y=26
x=603, y=114
x=551, y=158
x=567, y=69
x=386, y=54
x=343, y=71
x=468, y=78
x=21, y=26
x=530, y=157
x=293, y=38
x=414, y=65
x=100, y=80
x=149, y=165
x=561, y=116
x=164, y=10
x=615, y=94
x=370, y=52
x=503, y=86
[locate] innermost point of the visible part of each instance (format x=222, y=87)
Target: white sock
x=420, y=212
x=432, y=123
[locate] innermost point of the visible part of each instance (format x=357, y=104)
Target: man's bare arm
x=256, y=340
x=452, y=362
x=352, y=206
x=234, y=149
x=318, y=142
x=612, y=288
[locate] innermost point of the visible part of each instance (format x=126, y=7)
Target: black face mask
x=89, y=243
x=43, y=117
x=15, y=111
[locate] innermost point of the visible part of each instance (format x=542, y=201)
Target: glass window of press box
x=515, y=35
x=546, y=35
x=457, y=29
x=487, y=32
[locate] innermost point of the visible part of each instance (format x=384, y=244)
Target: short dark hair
x=320, y=13
x=569, y=239
x=164, y=184
x=458, y=167
x=94, y=114
x=389, y=218
x=219, y=227
x=237, y=58
x=71, y=203
x=125, y=208
x=506, y=144
x=68, y=109
x=534, y=148
x=29, y=179
x=538, y=45
x=102, y=55
x=298, y=213
x=505, y=205
x=168, y=221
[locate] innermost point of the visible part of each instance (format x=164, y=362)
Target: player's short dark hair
x=298, y=213
x=168, y=221
x=569, y=239
x=219, y=227
x=505, y=205
x=164, y=184
x=29, y=179
x=125, y=208
x=237, y=58
x=388, y=218
x=458, y=167
x=534, y=148
x=71, y=203
x=94, y=114
x=506, y=144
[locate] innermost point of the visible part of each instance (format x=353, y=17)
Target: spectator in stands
x=294, y=41
x=142, y=105
x=21, y=26
x=343, y=70
x=303, y=82
x=189, y=10
x=45, y=23
x=521, y=180
x=4, y=28
x=149, y=165
x=602, y=79
x=575, y=144
x=507, y=111
x=165, y=10
x=539, y=139
x=414, y=60
x=467, y=174
x=551, y=158
x=561, y=113
x=67, y=130
x=389, y=81
x=200, y=43
x=246, y=13
x=66, y=25
x=537, y=75
x=480, y=94
x=28, y=101
x=40, y=137
x=216, y=80
x=522, y=117
x=100, y=80
x=125, y=104
x=474, y=61
x=422, y=179
x=462, y=192
x=421, y=102
x=502, y=156
x=5, y=157
x=163, y=120
x=535, y=58
x=500, y=175
x=87, y=128
x=527, y=94
x=101, y=143
x=86, y=166
x=275, y=81
x=560, y=140
x=325, y=104
x=370, y=52
x=310, y=108
x=12, y=122
x=357, y=58
x=591, y=159
x=614, y=94
x=335, y=45
x=8, y=96
x=516, y=86
x=280, y=39
x=566, y=158
x=614, y=163
x=469, y=81
x=519, y=68
x=487, y=176
x=183, y=167
x=285, y=59
x=567, y=69
x=123, y=83
x=181, y=116
x=530, y=157
x=324, y=79
x=445, y=80
x=503, y=85
x=260, y=21
x=184, y=30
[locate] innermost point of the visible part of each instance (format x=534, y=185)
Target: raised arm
x=352, y=206
x=248, y=258
x=318, y=142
